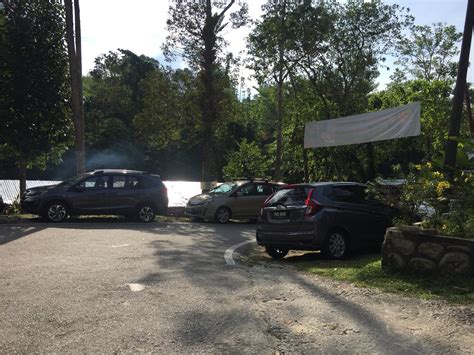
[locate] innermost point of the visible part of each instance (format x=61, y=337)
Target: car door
x=89, y=195
x=119, y=197
x=254, y=194
x=351, y=214
x=381, y=217
x=263, y=191
x=243, y=200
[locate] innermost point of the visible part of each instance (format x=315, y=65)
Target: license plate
x=279, y=214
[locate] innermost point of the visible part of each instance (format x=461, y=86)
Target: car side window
x=118, y=182
x=248, y=190
x=264, y=189
x=133, y=182
x=347, y=193
x=96, y=182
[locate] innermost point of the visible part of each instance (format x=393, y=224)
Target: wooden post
x=456, y=113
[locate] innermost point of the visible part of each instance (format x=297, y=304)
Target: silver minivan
x=241, y=199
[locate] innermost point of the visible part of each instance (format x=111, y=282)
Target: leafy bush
x=445, y=205
x=247, y=161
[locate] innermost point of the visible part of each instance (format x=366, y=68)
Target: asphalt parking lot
x=166, y=288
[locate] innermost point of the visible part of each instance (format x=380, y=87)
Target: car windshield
x=223, y=189
x=290, y=196
x=72, y=181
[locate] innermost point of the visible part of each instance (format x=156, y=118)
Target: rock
x=404, y=246
x=429, y=231
x=431, y=250
x=455, y=262
x=410, y=229
x=459, y=248
x=393, y=261
x=422, y=266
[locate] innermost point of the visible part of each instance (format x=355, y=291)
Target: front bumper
x=195, y=211
x=31, y=206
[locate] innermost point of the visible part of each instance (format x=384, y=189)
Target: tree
x=34, y=118
x=343, y=75
x=73, y=39
x=273, y=45
x=246, y=161
x=169, y=116
x=195, y=32
x=428, y=53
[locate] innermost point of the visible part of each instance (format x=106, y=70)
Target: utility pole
x=73, y=39
x=459, y=90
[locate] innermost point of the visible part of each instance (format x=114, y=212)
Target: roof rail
x=96, y=172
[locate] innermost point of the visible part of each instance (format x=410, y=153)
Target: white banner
x=402, y=121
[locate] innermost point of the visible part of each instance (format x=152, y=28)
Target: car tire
x=337, y=245
x=277, y=253
x=146, y=213
x=222, y=215
x=55, y=212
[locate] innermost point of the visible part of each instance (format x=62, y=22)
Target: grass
x=366, y=271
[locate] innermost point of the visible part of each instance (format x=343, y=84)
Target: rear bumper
x=301, y=237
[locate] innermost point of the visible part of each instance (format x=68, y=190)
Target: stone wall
x=413, y=249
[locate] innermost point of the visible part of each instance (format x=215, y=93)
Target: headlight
x=32, y=193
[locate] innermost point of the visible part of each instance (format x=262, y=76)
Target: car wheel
x=56, y=211
x=146, y=213
x=277, y=253
x=222, y=215
x=336, y=245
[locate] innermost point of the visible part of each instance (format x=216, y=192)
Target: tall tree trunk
x=371, y=170
x=279, y=148
x=469, y=111
x=305, y=164
x=456, y=113
x=73, y=39
x=208, y=100
x=22, y=175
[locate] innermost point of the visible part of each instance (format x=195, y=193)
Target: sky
x=140, y=26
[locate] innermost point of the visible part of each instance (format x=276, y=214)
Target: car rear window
x=290, y=196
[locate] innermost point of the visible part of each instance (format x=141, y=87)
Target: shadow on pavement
x=202, y=266
x=10, y=233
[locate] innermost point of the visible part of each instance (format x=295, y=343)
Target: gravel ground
x=165, y=288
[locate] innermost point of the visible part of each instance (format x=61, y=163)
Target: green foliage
x=35, y=122
x=248, y=160
x=448, y=205
x=187, y=21
x=435, y=100
x=169, y=117
x=429, y=53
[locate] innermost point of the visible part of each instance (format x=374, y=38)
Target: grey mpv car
x=335, y=217
x=238, y=199
x=131, y=193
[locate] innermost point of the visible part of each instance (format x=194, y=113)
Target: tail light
x=312, y=206
x=267, y=199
